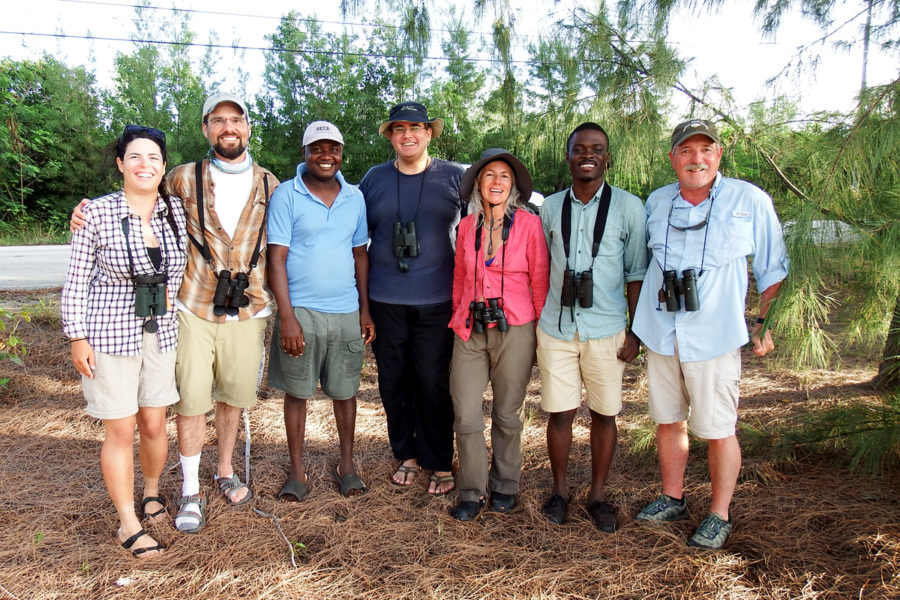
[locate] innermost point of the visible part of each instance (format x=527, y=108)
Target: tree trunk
x=889, y=370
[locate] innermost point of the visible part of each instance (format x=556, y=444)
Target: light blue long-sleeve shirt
x=622, y=258
x=742, y=223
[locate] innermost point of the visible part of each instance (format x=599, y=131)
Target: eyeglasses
x=233, y=121
x=401, y=129
x=699, y=225
x=150, y=132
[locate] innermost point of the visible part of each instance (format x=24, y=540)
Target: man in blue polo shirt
x=318, y=273
x=690, y=315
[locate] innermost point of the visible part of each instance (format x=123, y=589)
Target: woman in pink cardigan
x=500, y=283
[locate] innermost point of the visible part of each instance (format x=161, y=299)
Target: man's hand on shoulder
x=78, y=221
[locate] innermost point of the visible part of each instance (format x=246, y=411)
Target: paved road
x=33, y=267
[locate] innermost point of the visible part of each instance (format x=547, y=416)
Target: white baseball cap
x=322, y=130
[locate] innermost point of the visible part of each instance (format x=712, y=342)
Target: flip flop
x=228, y=484
x=350, y=484
x=437, y=480
x=406, y=470
x=138, y=552
x=296, y=488
x=151, y=517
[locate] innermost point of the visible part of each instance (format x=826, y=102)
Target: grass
x=805, y=529
x=34, y=233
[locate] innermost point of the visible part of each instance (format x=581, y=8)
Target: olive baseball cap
x=695, y=127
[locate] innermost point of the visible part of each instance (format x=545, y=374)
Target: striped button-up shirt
x=97, y=301
x=228, y=253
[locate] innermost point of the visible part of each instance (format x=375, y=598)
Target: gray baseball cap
x=322, y=130
x=216, y=99
x=695, y=127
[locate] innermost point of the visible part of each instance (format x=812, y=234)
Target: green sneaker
x=663, y=509
x=712, y=533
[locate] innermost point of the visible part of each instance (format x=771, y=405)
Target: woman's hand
x=83, y=358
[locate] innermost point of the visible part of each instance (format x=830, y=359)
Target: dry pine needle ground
x=807, y=530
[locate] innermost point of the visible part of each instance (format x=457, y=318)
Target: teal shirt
x=622, y=258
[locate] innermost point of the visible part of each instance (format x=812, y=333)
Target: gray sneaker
x=712, y=533
x=663, y=509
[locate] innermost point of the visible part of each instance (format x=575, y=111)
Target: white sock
x=190, y=473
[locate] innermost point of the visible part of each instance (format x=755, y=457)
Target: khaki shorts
x=122, y=384
x=704, y=393
x=227, y=354
x=565, y=364
x=333, y=354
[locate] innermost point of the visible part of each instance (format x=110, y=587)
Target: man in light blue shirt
x=595, y=233
x=690, y=315
x=318, y=272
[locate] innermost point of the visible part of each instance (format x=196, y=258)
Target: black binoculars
x=482, y=316
x=577, y=286
x=229, y=295
x=150, y=294
x=673, y=287
x=405, y=243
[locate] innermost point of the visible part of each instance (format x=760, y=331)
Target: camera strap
x=599, y=227
x=504, y=235
x=421, y=190
x=150, y=325
x=599, y=222
x=204, y=247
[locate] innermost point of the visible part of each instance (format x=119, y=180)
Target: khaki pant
x=505, y=359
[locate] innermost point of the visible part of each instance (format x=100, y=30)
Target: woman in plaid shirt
x=125, y=268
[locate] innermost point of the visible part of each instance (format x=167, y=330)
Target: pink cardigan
x=526, y=275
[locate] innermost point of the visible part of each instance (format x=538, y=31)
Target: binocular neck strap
x=165, y=249
x=418, y=202
x=201, y=217
x=599, y=222
x=504, y=235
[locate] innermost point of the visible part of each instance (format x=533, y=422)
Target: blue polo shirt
x=320, y=240
x=621, y=258
x=741, y=223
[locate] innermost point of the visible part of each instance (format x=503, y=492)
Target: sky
x=725, y=44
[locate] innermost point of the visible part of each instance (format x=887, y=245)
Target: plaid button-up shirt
x=232, y=254
x=97, y=301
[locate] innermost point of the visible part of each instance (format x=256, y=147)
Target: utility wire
x=276, y=18
x=277, y=49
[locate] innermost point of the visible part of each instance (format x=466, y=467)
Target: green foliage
x=313, y=75
x=49, y=125
x=12, y=348
x=868, y=434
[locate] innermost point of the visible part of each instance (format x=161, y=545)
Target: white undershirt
x=231, y=192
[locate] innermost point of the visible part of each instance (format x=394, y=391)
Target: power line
x=273, y=49
x=276, y=18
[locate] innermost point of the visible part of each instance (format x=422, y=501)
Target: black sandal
x=137, y=552
x=151, y=516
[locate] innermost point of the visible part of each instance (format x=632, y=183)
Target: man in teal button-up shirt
x=585, y=341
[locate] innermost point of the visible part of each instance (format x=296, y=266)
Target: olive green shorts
x=333, y=355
